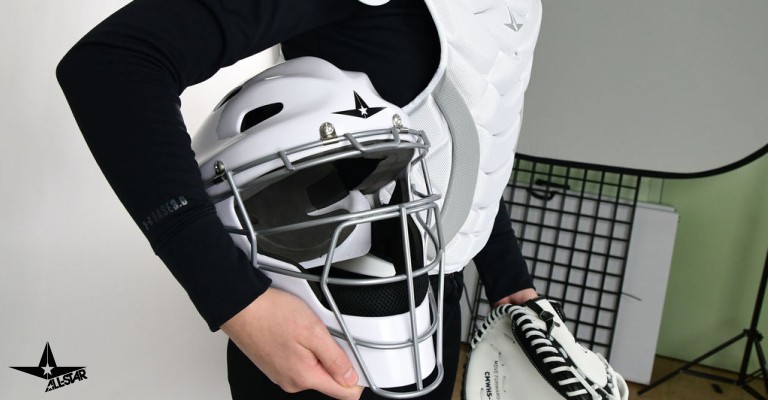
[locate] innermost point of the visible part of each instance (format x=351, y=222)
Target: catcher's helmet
x=309, y=169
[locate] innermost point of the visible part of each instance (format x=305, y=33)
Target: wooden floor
x=681, y=387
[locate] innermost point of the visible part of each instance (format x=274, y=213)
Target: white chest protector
x=472, y=112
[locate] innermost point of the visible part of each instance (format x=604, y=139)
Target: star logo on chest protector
x=513, y=24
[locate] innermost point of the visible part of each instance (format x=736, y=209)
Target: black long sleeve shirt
x=123, y=81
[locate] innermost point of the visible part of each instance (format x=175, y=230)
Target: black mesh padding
x=379, y=300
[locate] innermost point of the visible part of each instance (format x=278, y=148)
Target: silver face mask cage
x=302, y=225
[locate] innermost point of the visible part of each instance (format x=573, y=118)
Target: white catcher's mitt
x=527, y=353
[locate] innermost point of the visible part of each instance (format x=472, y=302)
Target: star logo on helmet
x=513, y=24
x=361, y=109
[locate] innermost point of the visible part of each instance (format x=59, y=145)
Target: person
x=122, y=81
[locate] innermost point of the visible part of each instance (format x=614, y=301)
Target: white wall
x=74, y=270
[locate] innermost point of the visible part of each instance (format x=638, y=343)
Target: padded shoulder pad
x=472, y=112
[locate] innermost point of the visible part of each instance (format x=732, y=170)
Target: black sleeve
x=123, y=81
x=500, y=263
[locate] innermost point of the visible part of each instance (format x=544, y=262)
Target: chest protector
x=472, y=112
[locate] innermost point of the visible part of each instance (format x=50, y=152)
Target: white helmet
x=309, y=169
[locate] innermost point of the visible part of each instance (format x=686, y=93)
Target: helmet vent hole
x=259, y=115
x=229, y=96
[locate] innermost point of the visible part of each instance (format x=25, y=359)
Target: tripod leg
x=753, y=392
x=761, y=358
x=690, y=364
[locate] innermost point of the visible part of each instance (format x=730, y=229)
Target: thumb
x=334, y=360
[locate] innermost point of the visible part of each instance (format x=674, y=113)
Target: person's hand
x=518, y=297
x=289, y=343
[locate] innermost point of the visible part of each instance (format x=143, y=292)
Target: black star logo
x=361, y=109
x=47, y=369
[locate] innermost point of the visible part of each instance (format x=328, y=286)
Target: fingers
x=333, y=359
x=294, y=349
x=325, y=367
x=315, y=376
x=321, y=381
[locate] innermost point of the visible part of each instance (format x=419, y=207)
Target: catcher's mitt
x=527, y=353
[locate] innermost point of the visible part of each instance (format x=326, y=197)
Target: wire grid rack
x=573, y=224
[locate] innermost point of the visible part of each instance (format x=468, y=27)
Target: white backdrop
x=74, y=270
x=657, y=85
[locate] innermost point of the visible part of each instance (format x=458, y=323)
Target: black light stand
x=753, y=337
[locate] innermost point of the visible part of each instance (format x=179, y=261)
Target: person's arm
x=123, y=82
x=501, y=265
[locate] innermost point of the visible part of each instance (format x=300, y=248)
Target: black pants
x=248, y=383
